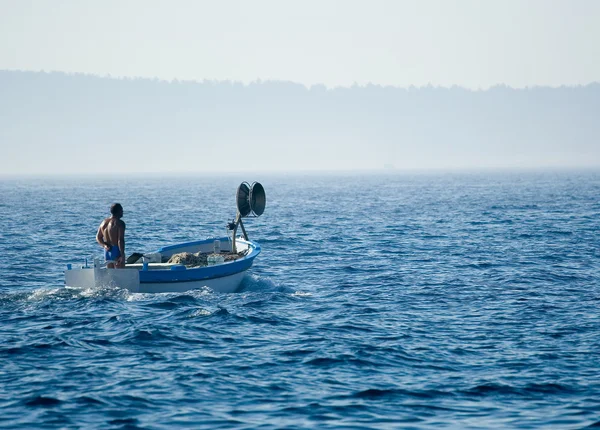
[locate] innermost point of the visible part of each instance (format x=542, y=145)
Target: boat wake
x=255, y=283
x=250, y=283
x=63, y=294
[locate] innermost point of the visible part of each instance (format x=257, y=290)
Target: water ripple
x=423, y=302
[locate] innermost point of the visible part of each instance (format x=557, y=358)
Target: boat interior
x=194, y=254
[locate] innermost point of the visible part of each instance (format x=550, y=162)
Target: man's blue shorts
x=112, y=255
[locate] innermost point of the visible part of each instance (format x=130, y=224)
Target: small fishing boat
x=219, y=264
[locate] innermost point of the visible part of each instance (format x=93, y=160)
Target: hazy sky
x=470, y=43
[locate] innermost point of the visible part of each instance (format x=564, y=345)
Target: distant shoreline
x=316, y=86
x=114, y=176
x=54, y=122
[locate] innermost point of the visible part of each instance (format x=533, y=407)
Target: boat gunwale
x=201, y=273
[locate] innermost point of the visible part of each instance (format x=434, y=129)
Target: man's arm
x=122, y=243
x=100, y=237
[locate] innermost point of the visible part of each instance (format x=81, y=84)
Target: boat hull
x=163, y=278
x=226, y=284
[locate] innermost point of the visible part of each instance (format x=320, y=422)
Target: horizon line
x=310, y=172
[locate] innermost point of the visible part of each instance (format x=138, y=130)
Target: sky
x=470, y=43
x=475, y=44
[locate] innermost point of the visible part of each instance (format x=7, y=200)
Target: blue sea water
x=423, y=301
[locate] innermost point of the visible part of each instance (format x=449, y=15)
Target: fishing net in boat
x=200, y=259
x=189, y=259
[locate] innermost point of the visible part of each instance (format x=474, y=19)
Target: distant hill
x=57, y=122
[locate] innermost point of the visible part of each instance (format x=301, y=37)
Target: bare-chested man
x=111, y=236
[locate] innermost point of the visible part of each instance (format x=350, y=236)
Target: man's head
x=116, y=210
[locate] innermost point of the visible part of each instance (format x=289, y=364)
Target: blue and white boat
x=145, y=277
x=228, y=260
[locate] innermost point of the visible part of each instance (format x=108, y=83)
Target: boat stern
x=102, y=277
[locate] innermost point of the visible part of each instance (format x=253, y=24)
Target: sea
x=423, y=300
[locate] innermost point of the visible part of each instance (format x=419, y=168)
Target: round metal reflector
x=242, y=199
x=258, y=199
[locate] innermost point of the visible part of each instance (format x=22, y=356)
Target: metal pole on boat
x=243, y=229
x=238, y=222
x=233, y=248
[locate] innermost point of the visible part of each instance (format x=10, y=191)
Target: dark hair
x=116, y=209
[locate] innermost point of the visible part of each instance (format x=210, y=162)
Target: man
x=111, y=236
